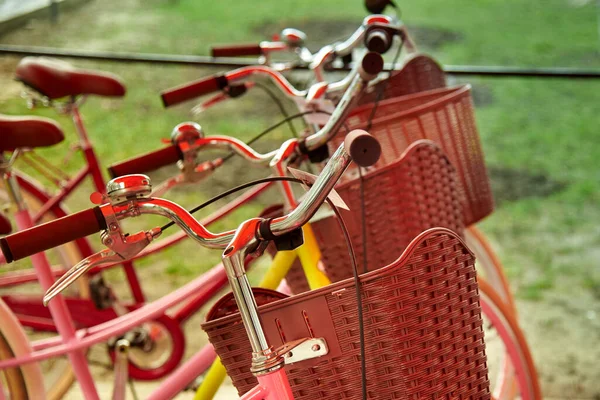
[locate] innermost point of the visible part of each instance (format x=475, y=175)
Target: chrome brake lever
x=189, y=175
x=102, y=257
x=120, y=248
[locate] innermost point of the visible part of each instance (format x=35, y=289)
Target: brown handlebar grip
x=189, y=91
x=237, y=50
x=371, y=65
x=51, y=234
x=146, y=162
x=362, y=147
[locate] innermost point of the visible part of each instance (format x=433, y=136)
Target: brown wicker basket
x=416, y=192
x=444, y=116
x=423, y=330
x=418, y=73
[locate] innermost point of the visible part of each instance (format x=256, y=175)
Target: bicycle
x=130, y=198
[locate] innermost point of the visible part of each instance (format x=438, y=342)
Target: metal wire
x=361, y=327
x=277, y=101
x=275, y=126
x=234, y=190
x=179, y=59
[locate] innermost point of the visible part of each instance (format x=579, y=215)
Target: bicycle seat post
x=10, y=181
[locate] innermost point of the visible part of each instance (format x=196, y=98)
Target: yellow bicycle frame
x=310, y=256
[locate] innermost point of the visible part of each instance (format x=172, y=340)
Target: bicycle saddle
x=5, y=227
x=55, y=79
x=28, y=132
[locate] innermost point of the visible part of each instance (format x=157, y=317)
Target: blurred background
x=540, y=136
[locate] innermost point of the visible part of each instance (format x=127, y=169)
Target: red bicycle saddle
x=28, y=132
x=5, y=227
x=55, y=79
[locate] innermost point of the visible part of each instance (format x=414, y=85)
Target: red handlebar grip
x=192, y=90
x=146, y=162
x=51, y=234
x=237, y=50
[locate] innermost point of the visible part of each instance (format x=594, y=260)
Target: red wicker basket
x=416, y=192
x=423, y=330
x=418, y=73
x=444, y=116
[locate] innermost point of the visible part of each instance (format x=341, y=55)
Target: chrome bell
x=187, y=132
x=128, y=187
x=293, y=37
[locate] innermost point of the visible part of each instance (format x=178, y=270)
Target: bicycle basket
x=422, y=321
x=444, y=116
x=416, y=192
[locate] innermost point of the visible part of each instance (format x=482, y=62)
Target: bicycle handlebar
x=144, y=163
x=169, y=155
x=52, y=234
x=189, y=91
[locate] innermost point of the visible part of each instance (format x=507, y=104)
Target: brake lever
x=120, y=249
x=216, y=99
x=102, y=257
x=194, y=175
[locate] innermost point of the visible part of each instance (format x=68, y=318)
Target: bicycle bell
x=293, y=37
x=128, y=187
x=186, y=132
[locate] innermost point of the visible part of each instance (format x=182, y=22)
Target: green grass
x=545, y=127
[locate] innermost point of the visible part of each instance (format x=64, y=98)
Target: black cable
x=273, y=127
x=236, y=189
x=361, y=327
x=363, y=218
x=277, y=101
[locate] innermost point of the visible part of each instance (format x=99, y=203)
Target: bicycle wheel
x=23, y=382
x=511, y=367
x=58, y=374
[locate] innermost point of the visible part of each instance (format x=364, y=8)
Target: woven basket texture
x=418, y=191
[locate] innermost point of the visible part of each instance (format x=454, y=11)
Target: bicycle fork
x=267, y=362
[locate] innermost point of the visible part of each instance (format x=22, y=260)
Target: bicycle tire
x=505, y=323
x=488, y=262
